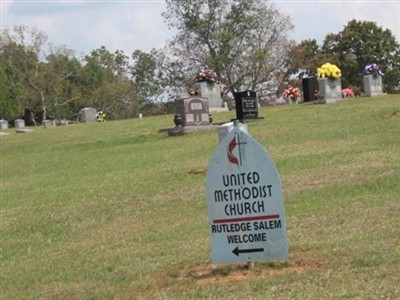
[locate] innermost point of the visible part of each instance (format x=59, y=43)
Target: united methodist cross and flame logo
x=232, y=158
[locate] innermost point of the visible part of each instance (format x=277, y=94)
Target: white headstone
x=88, y=114
x=46, y=123
x=19, y=123
x=3, y=124
x=245, y=204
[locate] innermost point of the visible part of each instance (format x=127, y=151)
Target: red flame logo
x=232, y=158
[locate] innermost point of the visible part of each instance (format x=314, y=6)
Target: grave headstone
x=211, y=91
x=245, y=202
x=330, y=90
x=46, y=123
x=88, y=115
x=372, y=85
x=246, y=105
x=3, y=124
x=19, y=123
x=309, y=87
x=193, y=111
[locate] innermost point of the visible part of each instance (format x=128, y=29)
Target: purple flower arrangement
x=372, y=69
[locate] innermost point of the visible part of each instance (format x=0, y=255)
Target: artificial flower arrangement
x=206, y=74
x=347, y=93
x=193, y=91
x=329, y=71
x=100, y=116
x=291, y=93
x=372, y=69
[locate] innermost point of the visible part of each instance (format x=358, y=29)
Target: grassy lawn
x=117, y=210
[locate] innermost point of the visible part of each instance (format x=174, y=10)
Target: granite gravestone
x=88, y=115
x=330, y=89
x=372, y=85
x=193, y=111
x=211, y=91
x=309, y=87
x=246, y=105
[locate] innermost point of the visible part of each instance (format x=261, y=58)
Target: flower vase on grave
x=291, y=101
x=178, y=120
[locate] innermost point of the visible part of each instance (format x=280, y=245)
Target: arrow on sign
x=237, y=251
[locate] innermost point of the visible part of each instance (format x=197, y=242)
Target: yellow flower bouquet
x=329, y=71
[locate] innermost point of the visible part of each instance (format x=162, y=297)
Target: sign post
x=245, y=204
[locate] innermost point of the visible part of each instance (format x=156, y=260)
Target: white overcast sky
x=129, y=24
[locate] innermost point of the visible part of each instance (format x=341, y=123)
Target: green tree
x=41, y=83
x=105, y=83
x=11, y=106
x=143, y=72
x=61, y=71
x=20, y=51
x=245, y=42
x=361, y=43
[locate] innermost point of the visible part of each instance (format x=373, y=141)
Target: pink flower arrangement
x=347, y=93
x=291, y=93
x=206, y=74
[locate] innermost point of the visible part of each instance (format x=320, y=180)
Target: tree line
x=245, y=42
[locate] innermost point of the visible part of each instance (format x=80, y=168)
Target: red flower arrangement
x=291, y=93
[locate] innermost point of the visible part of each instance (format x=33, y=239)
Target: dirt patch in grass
x=195, y=172
x=208, y=274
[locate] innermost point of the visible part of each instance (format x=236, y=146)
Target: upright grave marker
x=246, y=105
x=88, y=115
x=193, y=111
x=245, y=204
x=372, y=85
x=310, y=86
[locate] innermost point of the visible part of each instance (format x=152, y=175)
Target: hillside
x=117, y=210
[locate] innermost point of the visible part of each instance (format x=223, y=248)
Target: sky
x=128, y=25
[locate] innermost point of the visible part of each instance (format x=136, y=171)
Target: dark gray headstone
x=309, y=87
x=193, y=111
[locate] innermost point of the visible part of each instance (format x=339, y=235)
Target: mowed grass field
x=117, y=210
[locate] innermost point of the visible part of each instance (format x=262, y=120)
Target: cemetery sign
x=245, y=203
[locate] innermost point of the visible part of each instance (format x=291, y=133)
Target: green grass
x=117, y=210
